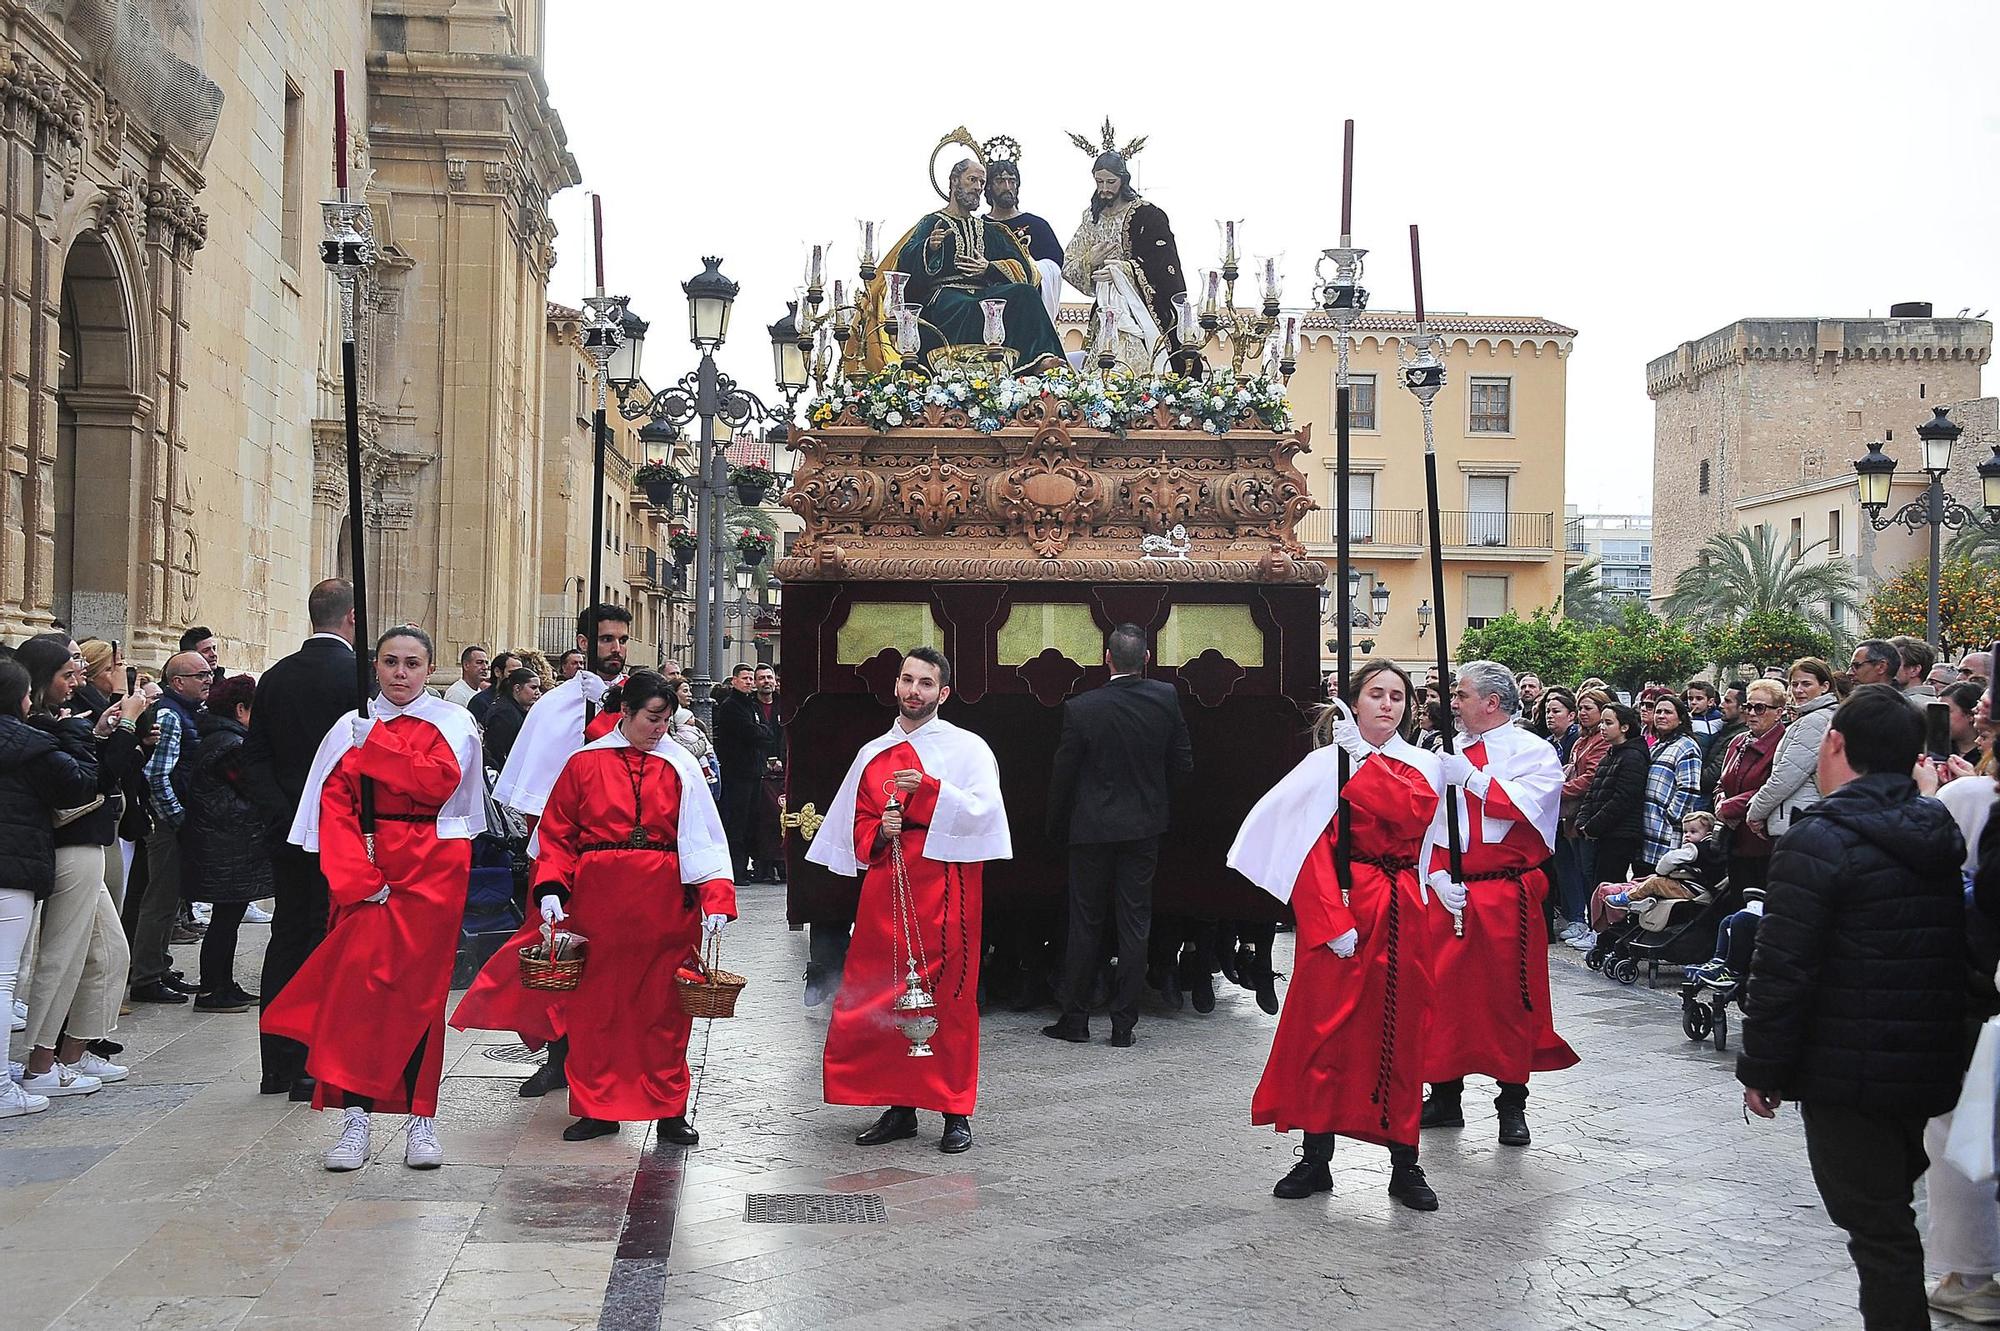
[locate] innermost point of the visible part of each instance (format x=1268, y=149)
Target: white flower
x=893, y=418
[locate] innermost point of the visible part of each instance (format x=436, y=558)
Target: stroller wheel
x=1695, y=1020
x=1594, y=959
x=1627, y=971
x=1721, y=1023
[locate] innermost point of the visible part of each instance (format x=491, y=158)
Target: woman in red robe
x=1346, y=1059
x=369, y=1004
x=631, y=855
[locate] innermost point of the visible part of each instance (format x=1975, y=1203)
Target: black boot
x=817, y=988
x=1512, y=1102
x=1309, y=1175
x=1071, y=1027
x=1441, y=1106
x=1196, y=980
x=1407, y=1183
x=550, y=1075
x=957, y=1134
x=896, y=1123
x=586, y=1128
x=678, y=1131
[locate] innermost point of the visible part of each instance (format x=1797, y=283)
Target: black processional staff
x=348, y=251
x=1423, y=375
x=1343, y=299
x=603, y=334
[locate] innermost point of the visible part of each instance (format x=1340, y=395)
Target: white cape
x=552, y=732
x=463, y=815
x=1524, y=765
x=970, y=824
x=702, y=847
x=1275, y=839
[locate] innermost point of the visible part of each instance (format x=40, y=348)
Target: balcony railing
x=1407, y=527
x=644, y=567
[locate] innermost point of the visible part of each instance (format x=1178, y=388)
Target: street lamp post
x=1875, y=474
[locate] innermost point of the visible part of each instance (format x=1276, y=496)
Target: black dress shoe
x=243, y=996
x=678, y=1131
x=177, y=982
x=1514, y=1126
x=550, y=1076
x=1307, y=1177
x=157, y=991
x=1199, y=984
x=275, y=1083
x=894, y=1125
x=1441, y=1114
x=1122, y=1037
x=1267, y=992
x=1170, y=988
x=1408, y=1185
x=817, y=989
x=304, y=1089
x=586, y=1128
x=1075, y=1030
x=957, y=1134
x=220, y=1001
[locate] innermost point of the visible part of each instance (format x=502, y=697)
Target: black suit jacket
x=741, y=738
x=298, y=700
x=1122, y=746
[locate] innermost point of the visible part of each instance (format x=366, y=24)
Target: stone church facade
x=172, y=427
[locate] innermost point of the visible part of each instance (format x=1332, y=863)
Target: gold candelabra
x=1254, y=334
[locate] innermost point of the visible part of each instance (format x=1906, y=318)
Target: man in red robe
x=562, y=721
x=925, y=796
x=1492, y=983
x=631, y=857
x=369, y=1003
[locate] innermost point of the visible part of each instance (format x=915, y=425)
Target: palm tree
x=1749, y=571
x=1975, y=541
x=1585, y=602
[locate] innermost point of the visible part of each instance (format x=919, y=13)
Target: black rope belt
x=1386, y=863
x=1494, y=876
x=663, y=847
x=406, y=817
x=1385, y=1066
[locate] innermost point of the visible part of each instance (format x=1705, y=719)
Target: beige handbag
x=64, y=817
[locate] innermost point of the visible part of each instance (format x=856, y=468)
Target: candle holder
x=1342, y=297
x=1248, y=331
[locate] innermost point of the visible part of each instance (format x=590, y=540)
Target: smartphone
x=1937, y=730
x=131, y=679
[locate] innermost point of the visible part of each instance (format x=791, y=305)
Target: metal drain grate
x=514, y=1053
x=813, y=1208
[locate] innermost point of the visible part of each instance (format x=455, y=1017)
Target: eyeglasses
x=1761, y=707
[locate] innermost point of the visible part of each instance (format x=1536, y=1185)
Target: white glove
x=1459, y=771
x=713, y=925
x=552, y=910
x=1450, y=893
x=1348, y=735
x=361, y=726
x=1754, y=908
x=379, y=897
x=593, y=686
x=1343, y=946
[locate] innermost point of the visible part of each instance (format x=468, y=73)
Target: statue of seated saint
x=955, y=259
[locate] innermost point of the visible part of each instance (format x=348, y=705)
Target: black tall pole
x=345, y=252
x=600, y=440
x=1343, y=851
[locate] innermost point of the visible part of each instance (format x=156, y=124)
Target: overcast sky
x=1643, y=173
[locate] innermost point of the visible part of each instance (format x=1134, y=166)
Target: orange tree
x=1640, y=648
x=1968, y=603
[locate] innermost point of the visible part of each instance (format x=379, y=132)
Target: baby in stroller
x=1693, y=870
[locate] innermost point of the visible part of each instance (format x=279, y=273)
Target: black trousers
x=1615, y=857
x=298, y=923
x=739, y=814
x=1866, y=1167
x=218, y=946
x=1111, y=876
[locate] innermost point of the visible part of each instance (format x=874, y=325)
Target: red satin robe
x=1348, y=1054
x=867, y=1058
x=378, y=984
x=628, y=1036
x=1492, y=986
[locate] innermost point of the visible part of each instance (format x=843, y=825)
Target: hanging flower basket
x=659, y=481
x=752, y=482
x=683, y=545
x=751, y=547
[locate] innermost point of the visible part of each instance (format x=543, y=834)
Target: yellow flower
x=979, y=383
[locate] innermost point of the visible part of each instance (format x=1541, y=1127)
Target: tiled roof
x=1403, y=321
x=746, y=449
x=563, y=312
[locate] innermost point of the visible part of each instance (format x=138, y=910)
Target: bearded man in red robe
x=919, y=814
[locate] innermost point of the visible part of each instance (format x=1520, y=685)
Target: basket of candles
x=707, y=990
x=555, y=963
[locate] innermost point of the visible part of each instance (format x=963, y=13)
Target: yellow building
x=1500, y=427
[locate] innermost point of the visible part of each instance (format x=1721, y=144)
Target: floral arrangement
x=651, y=473
x=1112, y=401
x=753, y=474
x=752, y=542
x=682, y=541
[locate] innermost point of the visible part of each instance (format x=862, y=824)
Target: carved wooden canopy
x=1047, y=498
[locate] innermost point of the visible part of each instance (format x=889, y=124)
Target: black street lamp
x=1936, y=510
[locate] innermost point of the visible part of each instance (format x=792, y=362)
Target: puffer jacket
x=40, y=772
x=223, y=856
x=1793, y=785
x=1857, y=987
x=1615, y=804
x=119, y=763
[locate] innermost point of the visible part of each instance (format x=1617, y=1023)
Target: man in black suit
x=297, y=702
x=742, y=744
x=1122, y=746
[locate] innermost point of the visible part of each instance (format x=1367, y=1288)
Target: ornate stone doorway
x=101, y=422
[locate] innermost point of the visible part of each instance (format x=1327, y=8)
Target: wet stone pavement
x=1106, y=1188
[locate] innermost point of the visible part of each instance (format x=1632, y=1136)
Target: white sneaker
x=1584, y=941
x=351, y=1151
x=256, y=914
x=1572, y=929
x=14, y=1101
x=423, y=1151
x=201, y=911
x=1961, y=1298
x=61, y=1079
x=16, y=1071
x=101, y=1068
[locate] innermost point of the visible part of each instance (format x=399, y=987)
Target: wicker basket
x=538, y=972
x=711, y=991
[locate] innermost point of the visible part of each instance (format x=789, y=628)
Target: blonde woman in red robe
x=1347, y=1059
x=631, y=855
x=369, y=1004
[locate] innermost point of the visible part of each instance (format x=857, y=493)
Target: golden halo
x=963, y=137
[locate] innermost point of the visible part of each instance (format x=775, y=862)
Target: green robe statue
x=950, y=298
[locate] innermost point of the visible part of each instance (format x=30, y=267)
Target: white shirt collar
x=333, y=637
